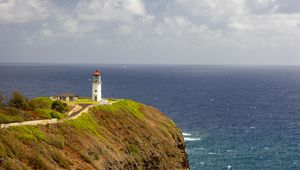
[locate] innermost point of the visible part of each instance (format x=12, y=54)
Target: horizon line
x=150, y=64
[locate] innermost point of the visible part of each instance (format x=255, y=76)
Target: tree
x=19, y=101
x=1, y=101
x=59, y=106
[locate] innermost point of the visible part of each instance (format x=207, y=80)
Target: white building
x=67, y=96
x=96, y=86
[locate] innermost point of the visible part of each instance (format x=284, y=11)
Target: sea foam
x=188, y=137
x=186, y=134
x=191, y=139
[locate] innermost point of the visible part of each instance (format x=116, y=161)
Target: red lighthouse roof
x=96, y=73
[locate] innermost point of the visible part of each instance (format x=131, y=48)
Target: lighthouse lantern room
x=96, y=86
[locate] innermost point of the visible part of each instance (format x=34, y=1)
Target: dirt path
x=72, y=115
x=83, y=107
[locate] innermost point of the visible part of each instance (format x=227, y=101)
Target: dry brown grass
x=99, y=140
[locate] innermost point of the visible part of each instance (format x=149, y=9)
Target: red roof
x=97, y=73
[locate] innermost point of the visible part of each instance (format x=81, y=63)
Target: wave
x=186, y=134
x=191, y=139
x=188, y=137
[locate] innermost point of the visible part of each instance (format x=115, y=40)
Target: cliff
x=125, y=135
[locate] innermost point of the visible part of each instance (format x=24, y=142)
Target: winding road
x=72, y=115
x=83, y=107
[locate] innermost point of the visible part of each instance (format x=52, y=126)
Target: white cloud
x=200, y=25
x=124, y=29
x=187, y=32
x=209, y=8
x=218, y=8
x=243, y=23
x=135, y=6
x=72, y=25
x=96, y=18
x=15, y=11
x=112, y=10
x=272, y=30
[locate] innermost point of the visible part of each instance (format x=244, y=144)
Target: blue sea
x=233, y=117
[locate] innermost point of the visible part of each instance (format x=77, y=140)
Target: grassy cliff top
x=31, y=109
x=83, y=100
x=124, y=135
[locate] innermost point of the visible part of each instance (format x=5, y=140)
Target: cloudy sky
x=150, y=31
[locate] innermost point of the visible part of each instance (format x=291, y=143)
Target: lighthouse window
x=96, y=91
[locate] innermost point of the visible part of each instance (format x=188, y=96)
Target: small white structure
x=96, y=86
x=67, y=96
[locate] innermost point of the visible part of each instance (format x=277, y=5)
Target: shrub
x=46, y=113
x=11, y=146
x=57, y=141
x=57, y=115
x=59, y=106
x=1, y=101
x=11, y=114
x=134, y=151
x=41, y=163
x=41, y=102
x=11, y=164
x=19, y=101
x=3, y=151
x=85, y=156
x=30, y=133
x=13, y=111
x=60, y=159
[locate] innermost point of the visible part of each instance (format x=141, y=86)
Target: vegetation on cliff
x=125, y=135
x=19, y=108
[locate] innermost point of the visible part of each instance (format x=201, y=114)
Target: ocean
x=232, y=117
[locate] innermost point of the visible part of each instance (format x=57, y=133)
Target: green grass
x=6, y=118
x=86, y=122
x=47, y=113
x=11, y=114
x=83, y=101
x=32, y=133
x=41, y=102
x=126, y=106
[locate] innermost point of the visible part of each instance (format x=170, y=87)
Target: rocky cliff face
x=125, y=135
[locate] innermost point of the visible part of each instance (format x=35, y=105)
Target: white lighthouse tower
x=96, y=87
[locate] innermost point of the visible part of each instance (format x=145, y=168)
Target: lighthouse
x=96, y=86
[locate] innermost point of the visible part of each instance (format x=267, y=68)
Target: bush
x=59, y=106
x=55, y=114
x=11, y=164
x=57, y=140
x=13, y=111
x=39, y=162
x=19, y=101
x=1, y=101
x=41, y=102
x=5, y=118
x=11, y=114
x=47, y=113
x=60, y=159
x=44, y=112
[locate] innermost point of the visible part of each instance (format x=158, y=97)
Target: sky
x=242, y=32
